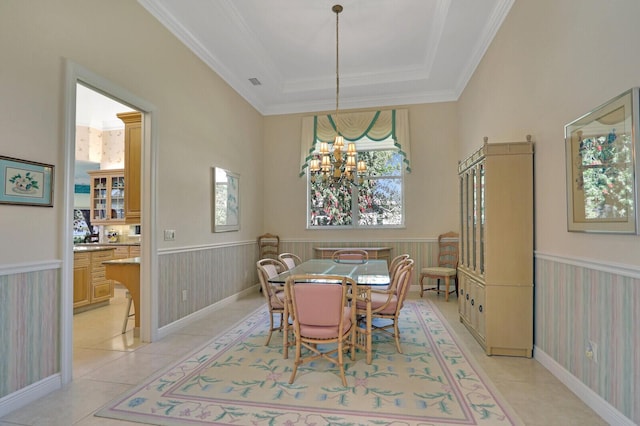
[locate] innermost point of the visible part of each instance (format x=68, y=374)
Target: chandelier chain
x=337, y=9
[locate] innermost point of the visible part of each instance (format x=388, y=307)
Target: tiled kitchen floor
x=108, y=363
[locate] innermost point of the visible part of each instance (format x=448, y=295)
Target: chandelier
x=341, y=166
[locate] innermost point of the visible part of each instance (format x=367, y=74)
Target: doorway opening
x=101, y=229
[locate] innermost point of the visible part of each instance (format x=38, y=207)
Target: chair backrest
x=448, y=250
x=395, y=263
x=268, y=268
x=318, y=301
x=268, y=246
x=350, y=256
x=404, y=277
x=290, y=260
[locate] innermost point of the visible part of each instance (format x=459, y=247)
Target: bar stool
x=127, y=313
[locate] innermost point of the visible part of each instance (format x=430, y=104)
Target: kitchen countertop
x=105, y=244
x=90, y=247
x=127, y=261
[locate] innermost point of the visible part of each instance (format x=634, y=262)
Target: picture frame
x=225, y=196
x=602, y=169
x=26, y=182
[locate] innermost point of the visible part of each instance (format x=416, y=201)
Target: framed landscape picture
x=26, y=182
x=602, y=170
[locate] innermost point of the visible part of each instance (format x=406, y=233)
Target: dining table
x=368, y=275
x=374, y=273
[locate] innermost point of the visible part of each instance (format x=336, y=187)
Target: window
x=376, y=201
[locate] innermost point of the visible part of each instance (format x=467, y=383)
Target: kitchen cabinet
x=107, y=197
x=132, y=164
x=495, y=291
x=91, y=288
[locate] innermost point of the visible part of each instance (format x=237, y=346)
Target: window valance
x=376, y=126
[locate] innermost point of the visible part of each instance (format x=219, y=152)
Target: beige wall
x=201, y=121
x=431, y=201
x=551, y=62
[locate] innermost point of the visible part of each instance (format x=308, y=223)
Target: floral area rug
x=236, y=380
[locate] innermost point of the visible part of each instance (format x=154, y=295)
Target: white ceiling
x=97, y=111
x=392, y=52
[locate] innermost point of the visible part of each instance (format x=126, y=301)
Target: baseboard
x=598, y=404
x=189, y=319
x=29, y=394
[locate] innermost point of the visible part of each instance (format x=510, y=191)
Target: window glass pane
x=380, y=202
x=330, y=203
x=382, y=163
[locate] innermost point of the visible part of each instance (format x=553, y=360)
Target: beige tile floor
x=108, y=363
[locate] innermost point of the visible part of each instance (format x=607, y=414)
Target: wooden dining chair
x=447, y=268
x=350, y=256
x=385, y=304
x=290, y=260
x=274, y=295
x=395, y=262
x=268, y=246
x=323, y=322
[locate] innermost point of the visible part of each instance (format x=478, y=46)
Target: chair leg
x=270, y=329
x=127, y=314
x=396, y=334
x=296, y=362
x=446, y=288
x=421, y=285
x=341, y=363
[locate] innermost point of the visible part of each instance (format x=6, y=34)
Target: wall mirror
x=602, y=171
x=225, y=200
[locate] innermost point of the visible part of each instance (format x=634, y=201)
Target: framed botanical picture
x=225, y=200
x=26, y=182
x=602, y=170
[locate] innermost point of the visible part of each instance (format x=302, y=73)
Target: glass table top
x=372, y=272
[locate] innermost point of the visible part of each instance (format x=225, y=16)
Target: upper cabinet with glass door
x=107, y=197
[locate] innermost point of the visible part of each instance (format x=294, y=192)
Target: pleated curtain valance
x=376, y=126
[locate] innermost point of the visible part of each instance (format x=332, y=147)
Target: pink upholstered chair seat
x=377, y=301
x=277, y=299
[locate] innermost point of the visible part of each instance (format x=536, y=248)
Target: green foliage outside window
x=379, y=195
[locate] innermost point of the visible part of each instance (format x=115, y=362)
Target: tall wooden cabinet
x=132, y=164
x=495, y=270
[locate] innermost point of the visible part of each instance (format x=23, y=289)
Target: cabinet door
x=481, y=308
x=81, y=280
x=117, y=198
x=462, y=294
x=132, y=164
x=99, y=199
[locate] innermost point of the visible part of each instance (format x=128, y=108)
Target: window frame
x=355, y=212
